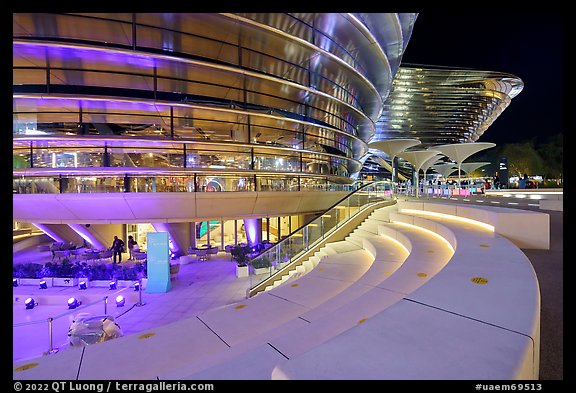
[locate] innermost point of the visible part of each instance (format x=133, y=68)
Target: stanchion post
x=139, y=304
x=51, y=349
x=106, y=305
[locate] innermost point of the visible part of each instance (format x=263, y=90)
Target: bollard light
x=43, y=284
x=137, y=287
x=112, y=284
x=82, y=285
x=14, y=282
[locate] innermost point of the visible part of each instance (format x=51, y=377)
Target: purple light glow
x=87, y=55
x=49, y=232
x=86, y=235
x=253, y=230
x=162, y=227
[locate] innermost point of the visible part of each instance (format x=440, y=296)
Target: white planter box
x=281, y=265
x=35, y=281
x=119, y=283
x=125, y=283
x=262, y=270
x=64, y=282
x=186, y=259
x=241, y=271
x=100, y=283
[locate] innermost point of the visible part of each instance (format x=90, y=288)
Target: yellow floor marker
x=479, y=280
x=238, y=307
x=25, y=367
x=146, y=335
x=422, y=275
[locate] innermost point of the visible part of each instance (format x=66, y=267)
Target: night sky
x=529, y=45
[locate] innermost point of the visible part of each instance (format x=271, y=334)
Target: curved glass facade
x=287, y=101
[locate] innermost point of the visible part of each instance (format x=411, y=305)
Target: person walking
x=118, y=248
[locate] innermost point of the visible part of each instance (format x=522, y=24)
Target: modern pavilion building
x=203, y=125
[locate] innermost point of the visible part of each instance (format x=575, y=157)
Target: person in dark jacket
x=117, y=247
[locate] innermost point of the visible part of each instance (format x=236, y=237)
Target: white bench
x=478, y=318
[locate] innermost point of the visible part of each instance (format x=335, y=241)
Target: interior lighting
x=82, y=285
x=43, y=284
x=29, y=303
x=120, y=301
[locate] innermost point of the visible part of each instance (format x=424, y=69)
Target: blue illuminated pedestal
x=158, y=265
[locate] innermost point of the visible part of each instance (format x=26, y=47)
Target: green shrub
x=99, y=272
x=262, y=262
x=240, y=254
x=27, y=270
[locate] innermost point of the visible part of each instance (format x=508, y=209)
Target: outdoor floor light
x=137, y=286
x=82, y=285
x=73, y=303
x=120, y=301
x=112, y=284
x=29, y=303
x=14, y=282
x=43, y=284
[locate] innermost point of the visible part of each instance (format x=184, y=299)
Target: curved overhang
x=168, y=207
x=82, y=65
x=445, y=105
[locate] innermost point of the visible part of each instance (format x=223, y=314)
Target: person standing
x=117, y=247
x=131, y=244
x=522, y=181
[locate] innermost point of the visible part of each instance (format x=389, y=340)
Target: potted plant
x=240, y=256
x=260, y=265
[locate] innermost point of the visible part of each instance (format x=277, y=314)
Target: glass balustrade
x=276, y=261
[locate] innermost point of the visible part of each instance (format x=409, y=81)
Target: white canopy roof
x=472, y=166
x=419, y=157
x=445, y=169
x=394, y=146
x=460, y=151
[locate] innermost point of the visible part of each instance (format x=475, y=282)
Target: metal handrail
x=288, y=238
x=305, y=225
